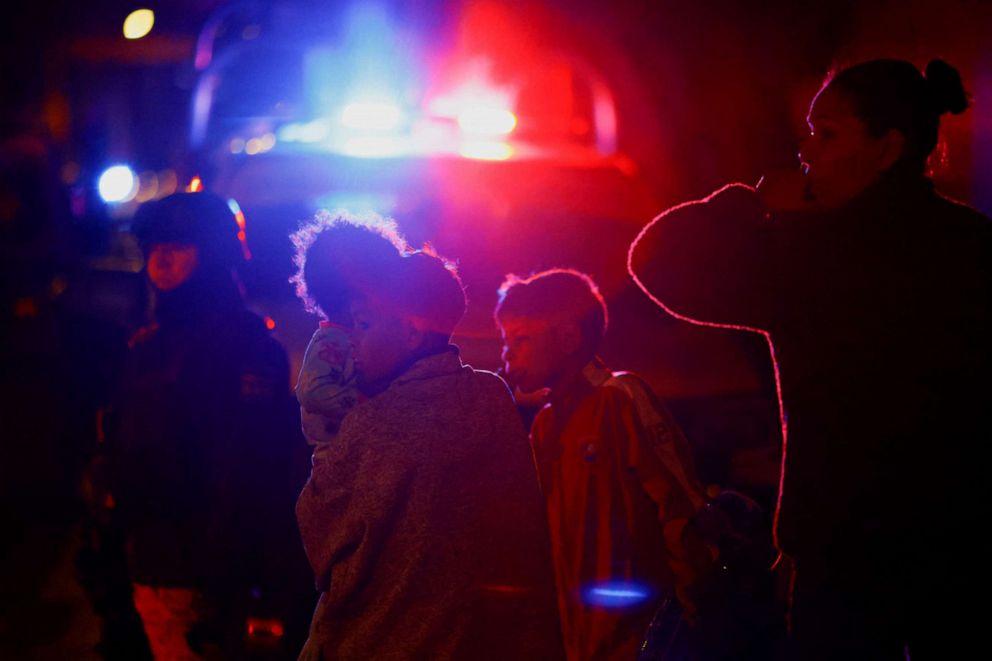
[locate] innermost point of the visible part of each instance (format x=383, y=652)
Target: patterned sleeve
x=326, y=383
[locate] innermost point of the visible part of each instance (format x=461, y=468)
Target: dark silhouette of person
x=58, y=361
x=877, y=294
x=203, y=440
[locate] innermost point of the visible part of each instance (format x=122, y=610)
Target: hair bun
x=946, y=87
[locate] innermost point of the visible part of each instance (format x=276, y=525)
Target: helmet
x=199, y=219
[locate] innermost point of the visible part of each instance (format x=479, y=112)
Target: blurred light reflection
x=139, y=23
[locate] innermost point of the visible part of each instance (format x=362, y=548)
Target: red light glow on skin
x=171, y=264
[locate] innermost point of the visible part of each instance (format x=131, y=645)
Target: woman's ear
x=892, y=145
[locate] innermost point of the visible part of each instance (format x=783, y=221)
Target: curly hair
x=338, y=255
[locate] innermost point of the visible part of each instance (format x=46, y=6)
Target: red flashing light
x=195, y=185
x=270, y=323
x=25, y=308
x=242, y=237
x=265, y=627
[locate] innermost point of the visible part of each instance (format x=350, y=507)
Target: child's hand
x=537, y=399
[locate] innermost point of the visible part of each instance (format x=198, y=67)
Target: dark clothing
x=201, y=456
x=425, y=526
x=881, y=319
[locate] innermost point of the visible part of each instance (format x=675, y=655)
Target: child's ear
x=569, y=337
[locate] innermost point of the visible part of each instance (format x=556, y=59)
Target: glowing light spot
x=479, y=104
x=486, y=151
x=270, y=323
x=373, y=147
x=616, y=594
x=265, y=627
x=167, y=182
x=316, y=131
x=253, y=146
x=384, y=204
x=239, y=217
x=195, y=185
x=481, y=120
x=138, y=23
x=117, y=184
x=371, y=116
x=147, y=187
x=267, y=141
x=237, y=145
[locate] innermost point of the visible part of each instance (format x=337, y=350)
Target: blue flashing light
x=371, y=116
x=117, y=184
x=616, y=594
x=374, y=147
x=306, y=132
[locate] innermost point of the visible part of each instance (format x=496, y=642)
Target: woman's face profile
x=841, y=159
x=171, y=264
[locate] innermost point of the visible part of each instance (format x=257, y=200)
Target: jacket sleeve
x=658, y=452
x=708, y=260
x=659, y=455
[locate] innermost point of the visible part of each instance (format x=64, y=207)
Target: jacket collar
x=446, y=361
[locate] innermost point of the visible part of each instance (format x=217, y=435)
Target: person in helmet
x=204, y=436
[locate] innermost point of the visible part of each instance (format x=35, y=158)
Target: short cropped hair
x=557, y=295
x=339, y=255
x=426, y=289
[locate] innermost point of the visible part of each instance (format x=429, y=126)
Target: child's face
x=531, y=355
x=382, y=346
